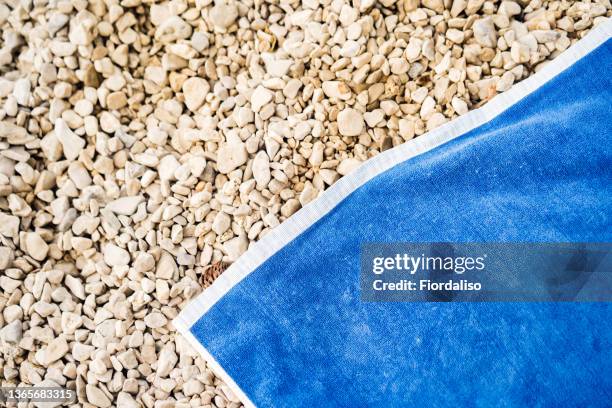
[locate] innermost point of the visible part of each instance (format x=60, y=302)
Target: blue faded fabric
x=294, y=333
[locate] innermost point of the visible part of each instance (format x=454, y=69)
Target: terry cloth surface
x=285, y=327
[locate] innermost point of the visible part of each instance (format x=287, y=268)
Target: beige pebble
x=195, y=90
x=484, y=32
x=173, y=28
x=79, y=175
x=166, y=361
x=115, y=256
x=261, y=96
x=9, y=225
x=116, y=100
x=230, y=156
x=221, y=223
x=261, y=169
x=155, y=320
x=126, y=400
x=12, y=332
x=235, y=247
x=223, y=14
x=348, y=165
x=76, y=286
x=350, y=122
x=144, y=262
x=374, y=117
x=167, y=167
x=21, y=91
x=406, y=129
x=290, y=207
x=166, y=267
x=519, y=52
x=399, y=65
x=308, y=194
x=505, y=82
x=72, y=144
x=329, y=176
x=316, y=156
x=459, y=105
x=193, y=387
x=125, y=205
x=82, y=352
x=82, y=28
x=455, y=35
x=56, y=349
x=6, y=257
x=336, y=89
x=35, y=246
x=96, y=396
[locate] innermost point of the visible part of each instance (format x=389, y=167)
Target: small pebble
x=350, y=122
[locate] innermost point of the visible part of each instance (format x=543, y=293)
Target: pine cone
x=212, y=272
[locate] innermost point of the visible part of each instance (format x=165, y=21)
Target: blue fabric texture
x=294, y=332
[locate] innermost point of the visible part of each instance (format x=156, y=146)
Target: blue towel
x=285, y=326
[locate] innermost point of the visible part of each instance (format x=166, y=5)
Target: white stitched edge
x=280, y=236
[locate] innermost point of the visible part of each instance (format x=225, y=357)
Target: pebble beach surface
x=144, y=142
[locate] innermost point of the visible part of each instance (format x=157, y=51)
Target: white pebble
x=35, y=246
x=115, y=256
x=261, y=96
x=195, y=90
x=235, y=247
x=348, y=165
x=484, y=32
x=155, y=320
x=230, y=156
x=261, y=169
x=125, y=205
x=221, y=223
x=71, y=143
x=350, y=122
x=96, y=396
